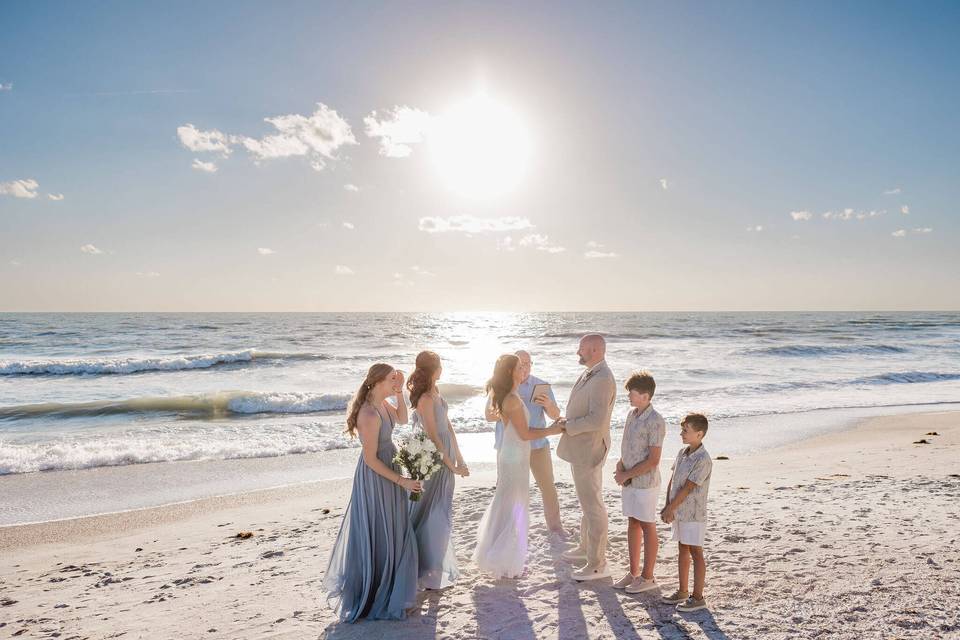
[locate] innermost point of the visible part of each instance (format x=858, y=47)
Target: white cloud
x=892, y=192
x=204, y=141
x=905, y=210
x=398, y=129
x=348, y=225
x=900, y=233
x=6, y=87
x=147, y=274
x=850, y=214
x=422, y=272
x=92, y=250
x=56, y=197
x=351, y=187
x=20, y=188
x=506, y=244
x=663, y=184
x=801, y=215
x=541, y=243
x=757, y=228
x=596, y=251
x=316, y=137
x=265, y=251
x=200, y=165
x=342, y=270
x=472, y=224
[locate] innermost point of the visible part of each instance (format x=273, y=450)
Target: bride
x=502, y=538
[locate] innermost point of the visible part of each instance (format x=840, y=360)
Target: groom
x=584, y=445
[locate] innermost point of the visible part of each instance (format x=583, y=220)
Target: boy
x=686, y=510
x=638, y=472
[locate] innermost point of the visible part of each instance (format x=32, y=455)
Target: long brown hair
x=375, y=375
x=502, y=381
x=421, y=380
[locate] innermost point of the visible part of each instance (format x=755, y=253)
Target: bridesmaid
x=373, y=565
x=432, y=515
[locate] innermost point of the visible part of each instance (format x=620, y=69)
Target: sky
x=306, y=156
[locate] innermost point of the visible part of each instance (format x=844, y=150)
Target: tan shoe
x=640, y=585
x=623, y=582
x=692, y=604
x=591, y=573
x=676, y=598
x=574, y=555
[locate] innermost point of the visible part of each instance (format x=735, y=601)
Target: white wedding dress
x=502, y=536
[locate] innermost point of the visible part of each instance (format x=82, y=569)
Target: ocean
x=81, y=391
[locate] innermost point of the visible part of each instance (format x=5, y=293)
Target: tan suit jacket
x=586, y=439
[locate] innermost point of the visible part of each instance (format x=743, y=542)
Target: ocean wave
x=208, y=405
x=908, y=377
x=801, y=350
x=138, y=448
x=126, y=366
x=453, y=391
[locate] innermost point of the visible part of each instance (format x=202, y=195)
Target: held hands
x=620, y=476
x=411, y=485
x=668, y=514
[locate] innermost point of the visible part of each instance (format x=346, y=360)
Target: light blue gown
x=432, y=515
x=373, y=565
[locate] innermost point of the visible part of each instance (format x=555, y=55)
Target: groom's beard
x=583, y=360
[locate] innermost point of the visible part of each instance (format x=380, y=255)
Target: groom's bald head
x=593, y=349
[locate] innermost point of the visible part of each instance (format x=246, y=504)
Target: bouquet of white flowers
x=419, y=458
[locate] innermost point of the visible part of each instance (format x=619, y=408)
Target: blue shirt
x=538, y=419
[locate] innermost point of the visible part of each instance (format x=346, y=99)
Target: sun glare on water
x=480, y=148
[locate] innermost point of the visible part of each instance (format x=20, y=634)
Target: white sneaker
x=591, y=573
x=639, y=585
x=574, y=555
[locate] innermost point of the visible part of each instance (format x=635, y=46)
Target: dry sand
x=849, y=535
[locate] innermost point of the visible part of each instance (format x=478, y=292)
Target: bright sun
x=480, y=148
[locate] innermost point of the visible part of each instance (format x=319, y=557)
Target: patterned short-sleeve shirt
x=695, y=467
x=643, y=430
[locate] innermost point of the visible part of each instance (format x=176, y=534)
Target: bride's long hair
x=501, y=384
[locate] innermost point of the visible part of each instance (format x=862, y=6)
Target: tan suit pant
x=541, y=465
x=588, y=481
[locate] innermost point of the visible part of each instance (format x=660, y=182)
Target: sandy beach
x=848, y=535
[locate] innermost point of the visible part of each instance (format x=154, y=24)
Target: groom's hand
x=620, y=476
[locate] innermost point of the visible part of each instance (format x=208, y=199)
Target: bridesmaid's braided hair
x=375, y=375
x=501, y=384
x=421, y=380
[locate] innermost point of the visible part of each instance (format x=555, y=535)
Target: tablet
x=540, y=389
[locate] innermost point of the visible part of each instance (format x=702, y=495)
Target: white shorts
x=640, y=504
x=691, y=533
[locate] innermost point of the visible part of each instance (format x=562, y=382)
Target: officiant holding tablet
x=538, y=396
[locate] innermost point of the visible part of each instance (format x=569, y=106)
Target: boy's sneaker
x=639, y=585
x=692, y=604
x=677, y=597
x=625, y=581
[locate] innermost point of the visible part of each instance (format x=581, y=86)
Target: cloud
x=541, y=243
x=204, y=141
x=56, y=197
x=850, y=214
x=472, y=224
x=757, y=228
x=506, y=244
x=342, y=270
x=398, y=129
x=351, y=187
x=200, y=165
x=892, y=192
x=20, y=188
x=147, y=274
x=905, y=210
x=801, y=215
x=663, y=184
x=15, y=263
x=348, y=225
x=316, y=137
x=6, y=87
x=265, y=251
x=92, y=250
x=422, y=272
x=901, y=233
x=595, y=251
